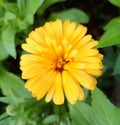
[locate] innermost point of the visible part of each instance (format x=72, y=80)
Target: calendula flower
x=61, y=59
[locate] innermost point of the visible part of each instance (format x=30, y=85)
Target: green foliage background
x=17, y=107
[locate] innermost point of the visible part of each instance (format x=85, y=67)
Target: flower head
x=61, y=60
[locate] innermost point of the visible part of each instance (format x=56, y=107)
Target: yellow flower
x=61, y=60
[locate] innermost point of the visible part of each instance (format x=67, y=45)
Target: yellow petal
x=94, y=65
x=83, y=78
x=53, y=32
x=87, y=52
x=41, y=32
x=30, y=49
x=34, y=69
x=77, y=41
x=77, y=65
x=94, y=72
x=33, y=81
x=50, y=93
x=35, y=36
x=58, y=95
x=70, y=88
x=88, y=59
x=30, y=82
x=58, y=30
x=83, y=41
x=42, y=81
x=65, y=46
x=54, y=29
x=70, y=55
x=28, y=59
x=57, y=49
x=49, y=29
x=100, y=56
x=90, y=45
x=75, y=37
x=68, y=28
x=35, y=45
x=81, y=95
x=44, y=85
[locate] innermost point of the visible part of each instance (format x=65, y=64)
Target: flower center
x=60, y=62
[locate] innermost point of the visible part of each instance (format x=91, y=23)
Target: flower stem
x=59, y=115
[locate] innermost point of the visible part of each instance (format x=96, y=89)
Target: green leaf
x=4, y=115
x=81, y=114
x=73, y=14
x=46, y=4
x=20, y=25
x=117, y=66
x=105, y=112
x=3, y=53
x=4, y=100
x=27, y=10
x=1, y=3
x=2, y=14
x=11, y=7
x=9, y=16
x=50, y=119
x=31, y=8
x=8, y=36
x=110, y=37
x=12, y=87
x=7, y=121
x=21, y=7
x=112, y=23
x=65, y=119
x=115, y=2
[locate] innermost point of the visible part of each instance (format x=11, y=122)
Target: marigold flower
x=61, y=60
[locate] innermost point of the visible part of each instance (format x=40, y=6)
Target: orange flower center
x=60, y=62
